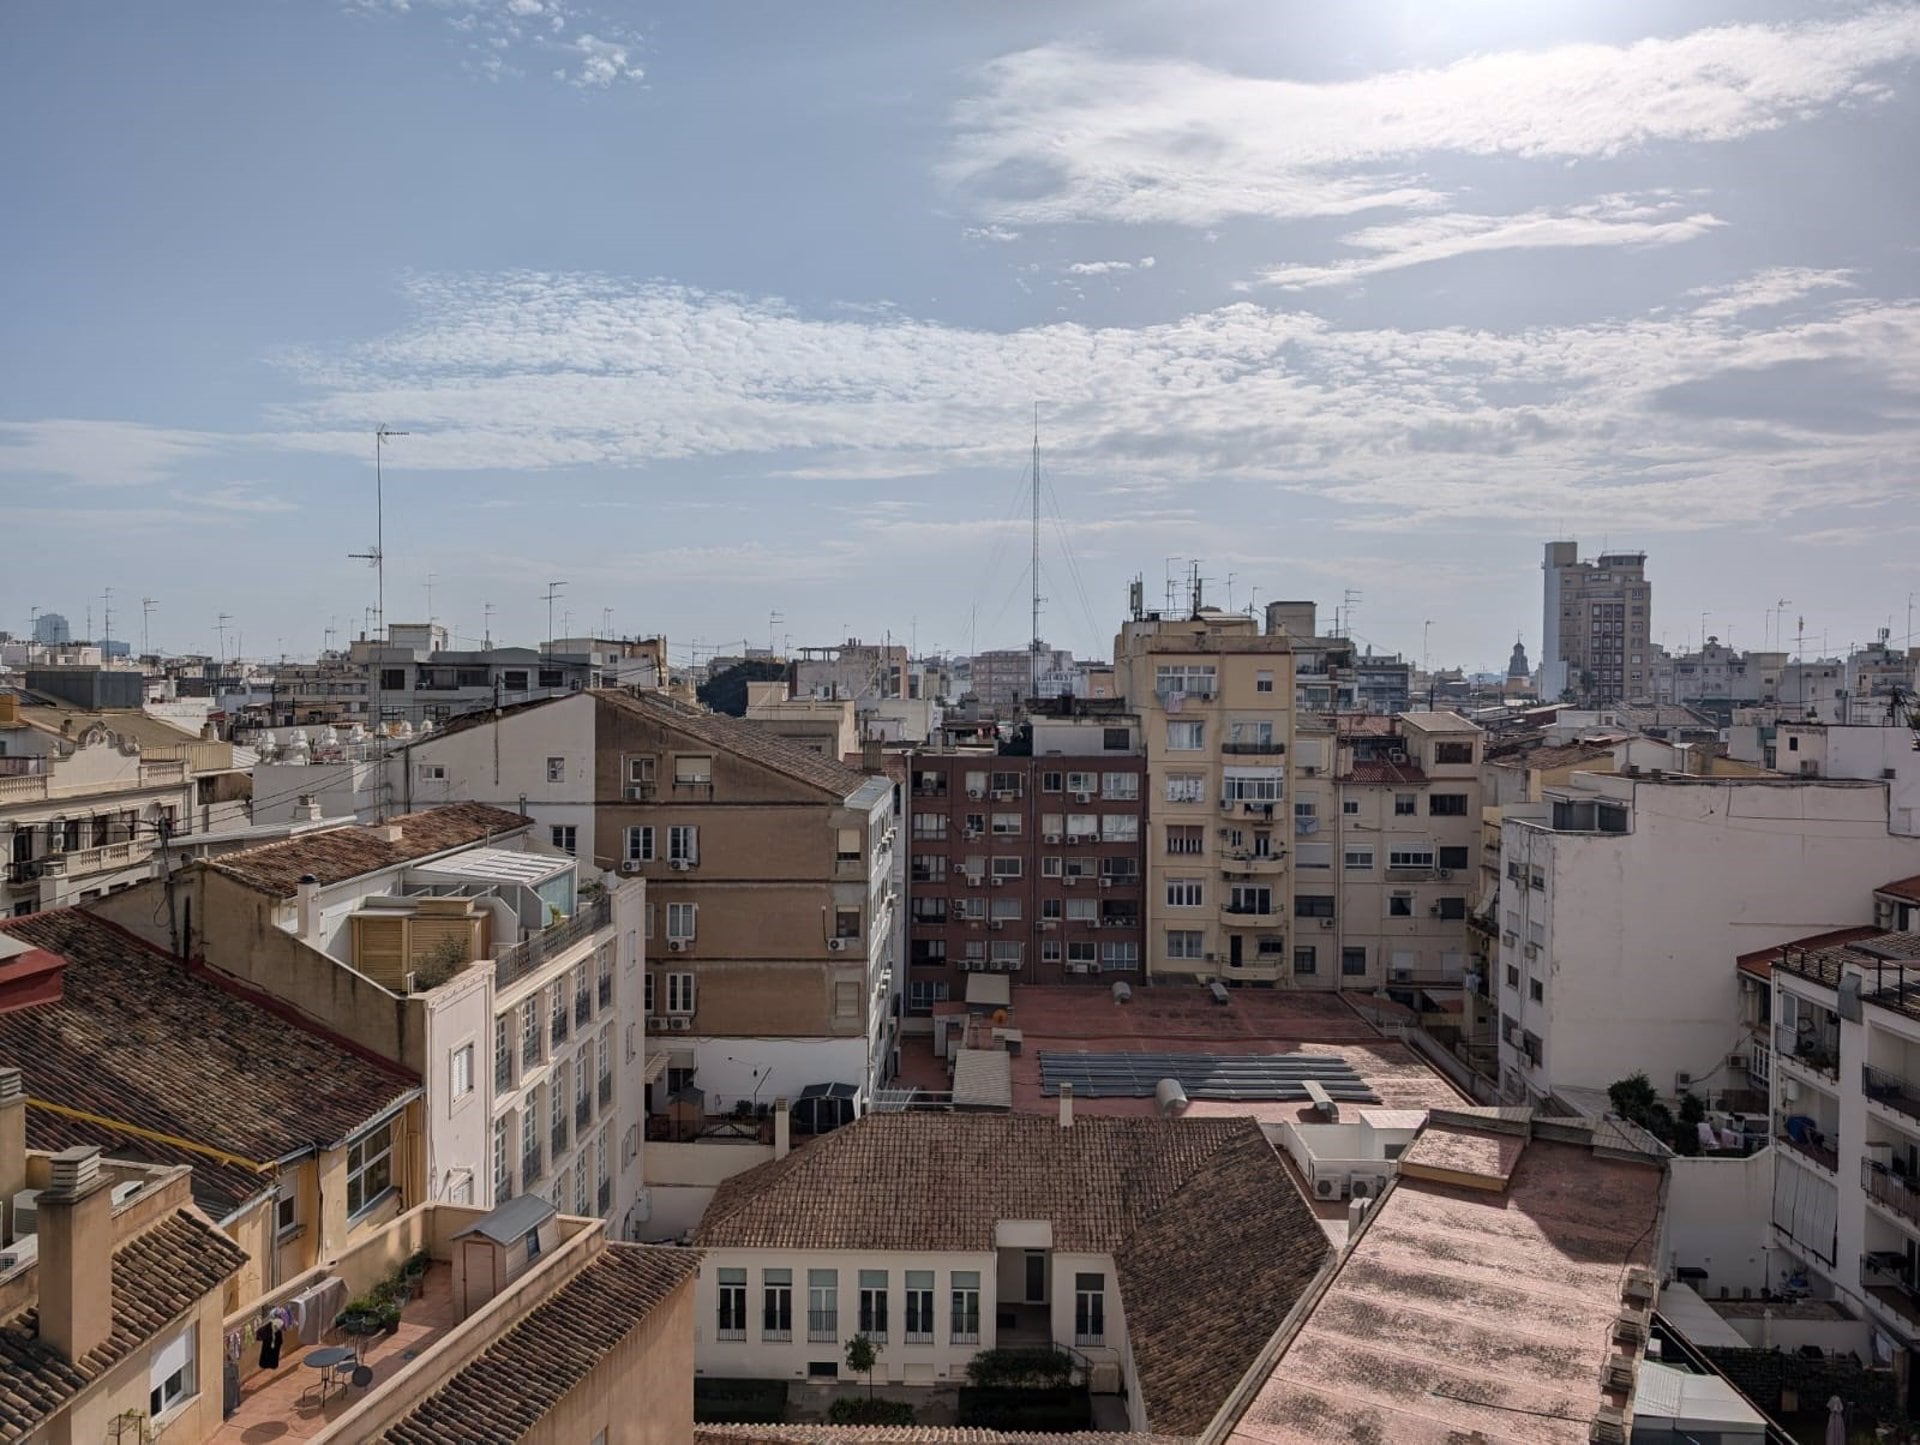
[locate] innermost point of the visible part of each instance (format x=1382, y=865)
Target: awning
x=990, y=990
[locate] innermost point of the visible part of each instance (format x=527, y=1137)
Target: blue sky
x=722, y=311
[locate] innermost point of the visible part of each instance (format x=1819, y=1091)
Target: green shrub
x=1031, y=1369
x=719, y=1400
x=870, y=1412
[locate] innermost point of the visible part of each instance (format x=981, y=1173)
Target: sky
x=736, y=319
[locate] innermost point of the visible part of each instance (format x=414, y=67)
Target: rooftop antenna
x=1169, y=572
x=606, y=622
x=552, y=592
x=147, y=604
x=1033, y=662
x=486, y=624
x=106, y=620
x=430, y=580
x=774, y=619
x=220, y=627
x=377, y=556
x=1351, y=600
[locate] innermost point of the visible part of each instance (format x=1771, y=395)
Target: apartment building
x=1715, y=674
x=1596, y=625
x=1028, y=859
x=853, y=669
x=87, y=797
x=1002, y=680
x=1877, y=749
x=452, y=944
x=1841, y=1059
x=1124, y=1242
x=772, y=917
x=1215, y=697
x=1621, y=897
x=301, y=1143
x=414, y=677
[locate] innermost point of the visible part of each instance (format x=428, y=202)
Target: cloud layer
x=1063, y=133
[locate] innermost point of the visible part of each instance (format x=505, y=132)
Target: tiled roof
x=157, y=1276
x=739, y=737
x=1212, y=1242
x=1545, y=759
x=337, y=854
x=1907, y=888
x=910, y=1435
x=1440, y=721
x=508, y=1389
x=1383, y=773
x=145, y=1041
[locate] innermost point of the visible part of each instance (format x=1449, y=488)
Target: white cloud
x=1779, y=286
x=1682, y=417
x=1060, y=133
x=490, y=31
x=999, y=234
x=98, y=453
x=1108, y=268
x=1610, y=221
x=601, y=63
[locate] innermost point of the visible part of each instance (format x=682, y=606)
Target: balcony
x=81, y=862
x=1891, y=1191
x=1272, y=746
x=518, y=960
x=1814, y=1058
x=1809, y=1142
x=1890, y=1091
x=823, y=1326
x=1883, y=1281
x=25, y=871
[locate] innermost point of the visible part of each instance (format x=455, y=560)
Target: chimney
x=74, y=1216
x=310, y=807
x=307, y=894
x=13, y=1145
x=782, y=1129
x=390, y=832
x=1066, y=1106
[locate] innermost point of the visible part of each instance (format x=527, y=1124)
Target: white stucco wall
x=1718, y=1219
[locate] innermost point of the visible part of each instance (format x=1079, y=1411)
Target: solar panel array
x=1278, y=1077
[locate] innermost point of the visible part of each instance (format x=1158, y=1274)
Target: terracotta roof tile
x=1382, y=773
x=337, y=854
x=1907, y=888
x=157, y=1276
x=1211, y=1240
x=911, y=1435
x=510, y=1387
x=740, y=737
x=149, y=1042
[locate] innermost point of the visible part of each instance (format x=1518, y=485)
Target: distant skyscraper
x=50, y=630
x=1595, y=624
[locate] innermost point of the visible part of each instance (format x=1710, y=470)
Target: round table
x=327, y=1360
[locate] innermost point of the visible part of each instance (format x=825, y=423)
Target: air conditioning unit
x=25, y=1205
x=1051, y=838
x=1443, y=873
x=997, y=881
x=1093, y=968
x=1327, y=1186
x=1083, y=797
x=1401, y=975
x=1533, y=950
x=838, y=945
x=680, y=865
x=1048, y=923
x=1001, y=795
x=1106, y=882
x=676, y=945
x=24, y=1250
x=630, y=865
x=1069, y=881
x=1327, y=922
x=1076, y=968
x=680, y=1024
x=1682, y=1083
x=1396, y=755
x=1790, y=1090
x=1510, y=938
x=1433, y=909
x=1739, y=1063
x=996, y=923
x=639, y=792
x=656, y=1026
x=1366, y=1186
x=976, y=794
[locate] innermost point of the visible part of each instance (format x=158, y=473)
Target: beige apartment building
x=1596, y=625
x=1215, y=700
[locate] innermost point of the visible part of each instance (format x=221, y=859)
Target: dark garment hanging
x=270, y=1336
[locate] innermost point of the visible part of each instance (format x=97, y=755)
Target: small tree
x=862, y=1356
x=1634, y=1100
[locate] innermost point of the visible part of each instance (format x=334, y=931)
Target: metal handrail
x=519, y=959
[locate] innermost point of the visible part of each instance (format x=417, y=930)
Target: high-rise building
x=50, y=630
x=1595, y=625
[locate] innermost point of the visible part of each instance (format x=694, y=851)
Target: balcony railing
x=582, y=1008
x=518, y=960
x=1890, y=1190
x=823, y=1326
x=1890, y=1090
x=559, y=1136
x=1819, y=1153
x=503, y=1071
x=583, y=1111
x=558, y=1027
x=26, y=870
x=1272, y=745
x=1888, y=1287
x=606, y=1090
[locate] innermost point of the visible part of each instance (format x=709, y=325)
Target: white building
x=1125, y=1243
x=1834, y=750
x=1622, y=898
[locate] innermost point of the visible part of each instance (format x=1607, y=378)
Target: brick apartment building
x=1028, y=862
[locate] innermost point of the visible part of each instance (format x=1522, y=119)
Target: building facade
x=1596, y=625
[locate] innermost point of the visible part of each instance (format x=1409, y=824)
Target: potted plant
x=414, y=1271
x=360, y=1317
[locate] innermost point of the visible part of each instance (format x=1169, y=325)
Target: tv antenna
x=1033, y=668
x=377, y=554
x=147, y=604
x=552, y=595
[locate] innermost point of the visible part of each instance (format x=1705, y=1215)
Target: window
x=682, y=919
x=1186, y=838
x=1115, y=740
x=1006, y=823
x=776, y=1304
x=1120, y=787
x=929, y=910
x=393, y=679
x=1006, y=866
x=1412, y=855
x=1453, y=908
x=1004, y=910
x=1089, y=1309
x=823, y=1305
x=1306, y=959
x=694, y=771
x=639, y=770
x=502, y=1168
x=1400, y=905
x=1313, y=905
x=1008, y=783
x=369, y=1169
x=1250, y=736
x=1186, y=737
x=1082, y=910
x=1359, y=860
x=1263, y=682
x=846, y=998
x=603, y=981
x=929, y=825
x=1453, y=752
x=649, y=993
x=1353, y=961
x=1350, y=806
x=1250, y=898
x=873, y=1305
x=1447, y=805
x=731, y=1323
x=1199, y=679
x=1082, y=827
x=849, y=846
x=286, y=1211
x=1011, y=955
x=1536, y=991
x=556, y=770
x=679, y=993
x=1455, y=858
x=1120, y=955
x=683, y=843
x=1186, y=943
x=1405, y=805
x=433, y=772
x=1184, y=893
x=1186, y=788
x=1052, y=782
x=1251, y=787
x=530, y=1033
x=1120, y=827
x=580, y=1205
x=563, y=836
x=966, y=1307
x=170, y=1375
x=639, y=845
x=1088, y=783
x=919, y=1306
x=460, y=1071
x=1513, y=976
x=1050, y=951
